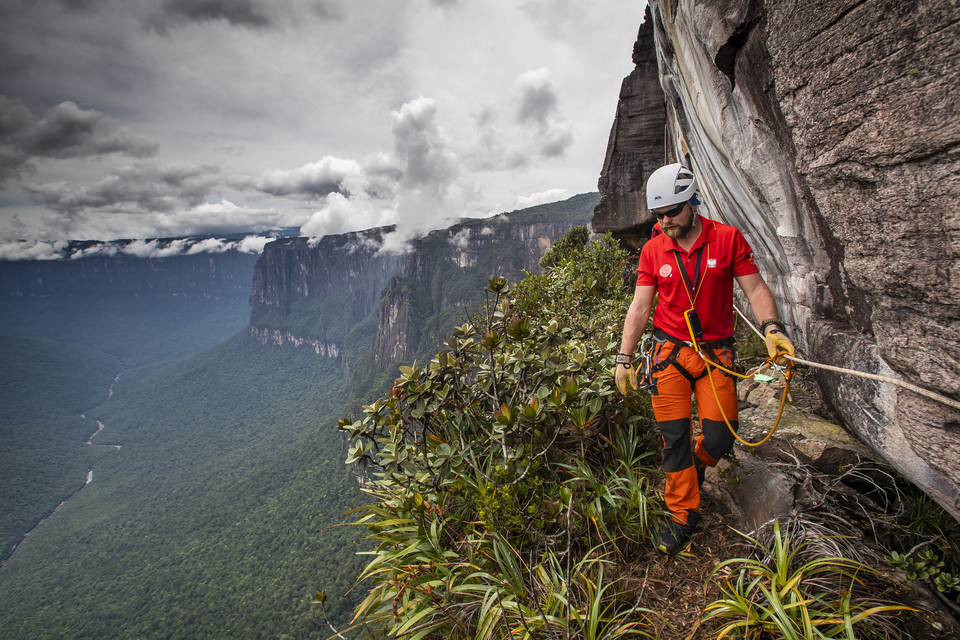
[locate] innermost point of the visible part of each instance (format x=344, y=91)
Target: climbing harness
x=696, y=339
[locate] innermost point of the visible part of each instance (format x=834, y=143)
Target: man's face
x=678, y=225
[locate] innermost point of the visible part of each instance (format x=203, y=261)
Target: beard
x=679, y=231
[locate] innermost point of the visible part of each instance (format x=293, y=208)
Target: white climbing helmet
x=670, y=185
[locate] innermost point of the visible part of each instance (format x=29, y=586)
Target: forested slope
x=210, y=521
x=44, y=388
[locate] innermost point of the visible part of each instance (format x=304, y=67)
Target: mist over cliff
x=192, y=267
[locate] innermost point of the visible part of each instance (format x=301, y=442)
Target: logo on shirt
x=666, y=271
x=751, y=260
x=711, y=263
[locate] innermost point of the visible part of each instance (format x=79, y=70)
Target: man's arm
x=759, y=296
x=764, y=309
x=637, y=315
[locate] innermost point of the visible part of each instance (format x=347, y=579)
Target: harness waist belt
x=662, y=336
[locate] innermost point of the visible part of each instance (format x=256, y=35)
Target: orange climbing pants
x=679, y=372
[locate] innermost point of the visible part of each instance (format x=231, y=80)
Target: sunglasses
x=670, y=213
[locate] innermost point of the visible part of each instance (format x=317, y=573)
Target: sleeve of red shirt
x=743, y=262
x=645, y=274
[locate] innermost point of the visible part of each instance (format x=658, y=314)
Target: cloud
x=461, y=239
x=32, y=250
x=140, y=188
x=222, y=217
x=538, y=99
x=539, y=108
x=65, y=131
x=240, y=13
x=153, y=248
x=298, y=112
x=341, y=214
x=210, y=245
x=416, y=187
x=163, y=248
x=253, y=244
x=421, y=147
x=327, y=175
x=543, y=197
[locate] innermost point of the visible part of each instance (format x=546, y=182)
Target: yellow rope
x=783, y=399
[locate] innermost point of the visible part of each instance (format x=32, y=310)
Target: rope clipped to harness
x=696, y=336
x=692, y=326
x=787, y=374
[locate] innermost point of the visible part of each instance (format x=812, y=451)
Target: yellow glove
x=777, y=341
x=625, y=373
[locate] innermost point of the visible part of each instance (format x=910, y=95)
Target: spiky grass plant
x=784, y=592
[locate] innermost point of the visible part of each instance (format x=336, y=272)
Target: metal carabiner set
x=645, y=371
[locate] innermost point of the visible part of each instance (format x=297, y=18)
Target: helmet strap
x=693, y=221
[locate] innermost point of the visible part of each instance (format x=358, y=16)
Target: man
x=691, y=264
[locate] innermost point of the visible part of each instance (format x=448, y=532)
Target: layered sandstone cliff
x=827, y=132
x=311, y=293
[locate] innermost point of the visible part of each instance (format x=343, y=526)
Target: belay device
x=694, y=327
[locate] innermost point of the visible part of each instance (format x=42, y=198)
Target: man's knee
x=717, y=438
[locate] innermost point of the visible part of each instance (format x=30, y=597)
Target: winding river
x=89, y=478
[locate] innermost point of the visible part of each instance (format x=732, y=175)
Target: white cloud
x=154, y=248
x=341, y=214
x=461, y=239
x=253, y=244
x=32, y=250
x=327, y=175
x=210, y=245
x=543, y=197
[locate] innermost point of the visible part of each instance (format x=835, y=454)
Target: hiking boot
x=676, y=535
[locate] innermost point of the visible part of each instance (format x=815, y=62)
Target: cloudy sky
x=150, y=118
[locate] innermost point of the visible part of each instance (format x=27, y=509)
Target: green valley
x=211, y=521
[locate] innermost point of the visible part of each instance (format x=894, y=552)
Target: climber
x=690, y=265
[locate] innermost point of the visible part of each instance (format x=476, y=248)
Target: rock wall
x=310, y=292
x=826, y=132
x=447, y=270
x=636, y=147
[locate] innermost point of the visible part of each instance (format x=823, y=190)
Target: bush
x=507, y=471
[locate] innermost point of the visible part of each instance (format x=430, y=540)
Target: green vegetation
x=211, y=521
x=44, y=389
x=512, y=487
x=508, y=486
x=60, y=355
x=928, y=545
x=508, y=473
x=793, y=593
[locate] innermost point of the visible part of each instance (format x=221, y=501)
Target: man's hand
x=778, y=342
x=625, y=373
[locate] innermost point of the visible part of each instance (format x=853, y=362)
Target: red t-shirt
x=726, y=255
